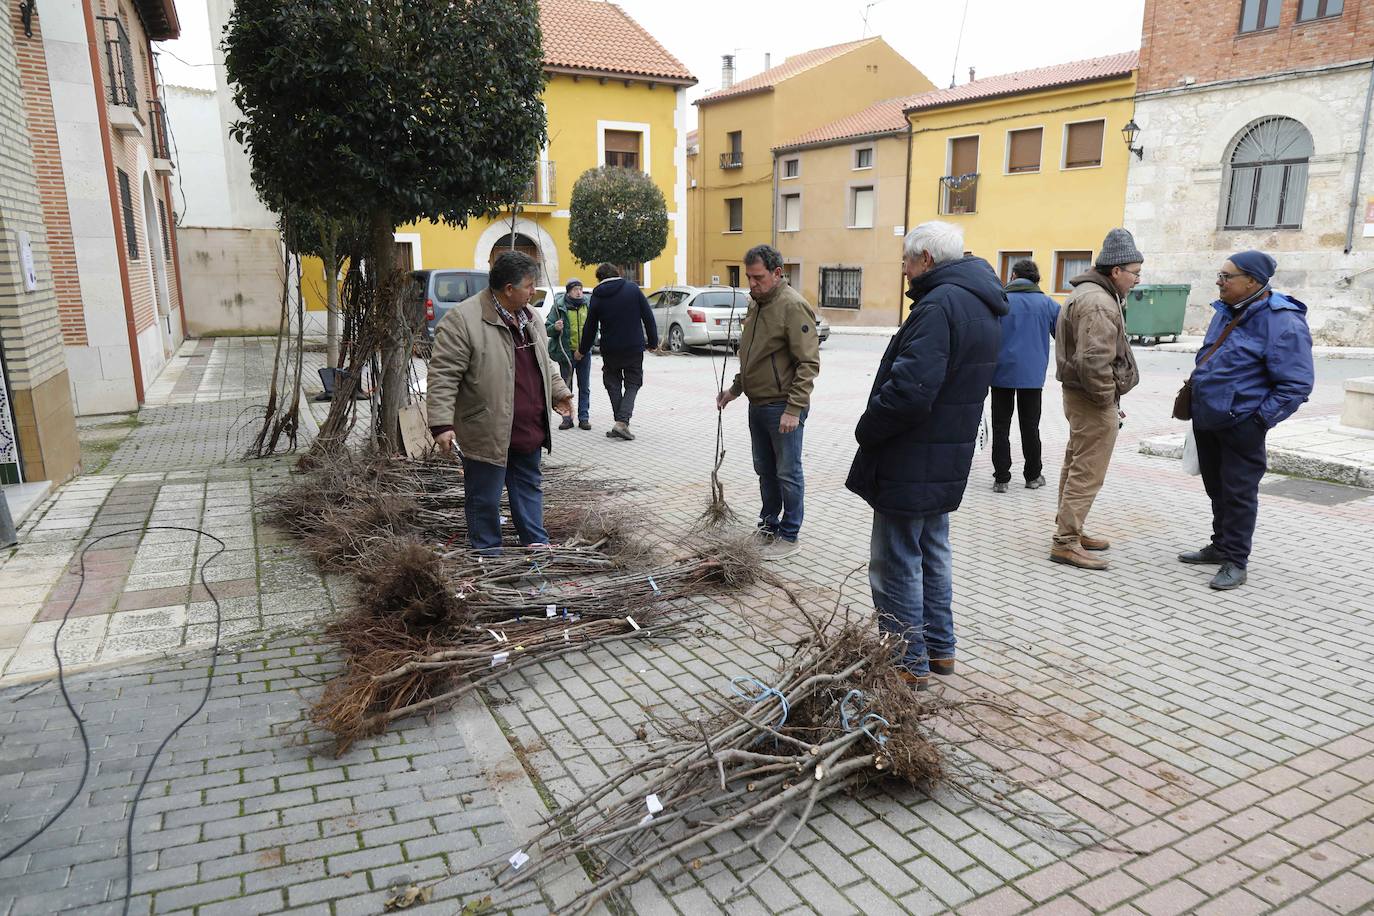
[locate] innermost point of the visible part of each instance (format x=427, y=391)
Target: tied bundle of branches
x=837, y=717
x=718, y=512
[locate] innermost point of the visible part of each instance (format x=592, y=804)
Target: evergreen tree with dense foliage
x=617, y=216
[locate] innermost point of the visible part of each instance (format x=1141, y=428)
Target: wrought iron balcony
x=157, y=119
x=959, y=193
x=732, y=160
x=119, y=63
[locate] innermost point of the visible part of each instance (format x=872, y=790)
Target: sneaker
x=1228, y=577
x=999, y=486
x=763, y=536
x=1204, y=557
x=779, y=549
x=566, y=424
x=584, y=424
x=1073, y=555
x=620, y=431
x=1036, y=484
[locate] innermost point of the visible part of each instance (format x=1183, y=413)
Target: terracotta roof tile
x=797, y=63
x=591, y=35
x=1079, y=71
x=889, y=115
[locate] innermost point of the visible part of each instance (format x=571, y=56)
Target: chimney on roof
x=971, y=77
x=727, y=71
x=767, y=61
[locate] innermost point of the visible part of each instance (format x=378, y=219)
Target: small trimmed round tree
x=618, y=216
x=390, y=111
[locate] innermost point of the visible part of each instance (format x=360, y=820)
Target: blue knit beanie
x=1255, y=263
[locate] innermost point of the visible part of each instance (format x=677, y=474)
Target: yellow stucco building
x=614, y=96
x=738, y=125
x=1031, y=164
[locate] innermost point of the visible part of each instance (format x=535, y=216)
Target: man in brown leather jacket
x=1094, y=362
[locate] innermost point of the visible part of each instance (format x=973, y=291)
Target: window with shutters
x=1318, y=9
x=789, y=213
x=1267, y=176
x=959, y=188
x=1258, y=15
x=863, y=158
x=1083, y=144
x=794, y=275
x=1008, y=260
x=734, y=214
x=126, y=208
x=1067, y=265
x=623, y=149
x=791, y=168
x=162, y=221
x=861, y=208
x=1023, y=150
x=841, y=287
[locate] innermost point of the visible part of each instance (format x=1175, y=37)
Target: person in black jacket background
x=621, y=314
x=916, y=439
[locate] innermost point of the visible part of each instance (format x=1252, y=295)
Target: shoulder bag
x=1183, y=401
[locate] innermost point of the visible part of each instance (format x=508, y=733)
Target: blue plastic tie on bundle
x=847, y=724
x=739, y=683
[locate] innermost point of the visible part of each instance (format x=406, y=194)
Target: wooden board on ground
x=415, y=429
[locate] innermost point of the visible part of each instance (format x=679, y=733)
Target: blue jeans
x=582, y=368
x=910, y=572
x=523, y=483
x=777, y=461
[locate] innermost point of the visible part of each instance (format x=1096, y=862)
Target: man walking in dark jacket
x=621, y=314
x=916, y=439
x=1019, y=380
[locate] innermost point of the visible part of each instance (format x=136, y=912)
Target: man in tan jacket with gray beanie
x=1094, y=362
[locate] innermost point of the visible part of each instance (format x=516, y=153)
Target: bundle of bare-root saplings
x=434, y=621
x=741, y=785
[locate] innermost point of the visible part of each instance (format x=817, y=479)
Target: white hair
x=942, y=241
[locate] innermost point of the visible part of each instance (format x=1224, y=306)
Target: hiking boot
x=1204, y=557
x=1074, y=555
x=918, y=681
x=1092, y=543
x=1036, y=484
x=566, y=424
x=999, y=486
x=1228, y=577
x=620, y=431
x=584, y=424
x=778, y=549
x=942, y=666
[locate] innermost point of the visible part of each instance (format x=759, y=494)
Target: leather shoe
x=566, y=424
x=1228, y=577
x=1206, y=556
x=584, y=424
x=1073, y=555
x=999, y=486
x=1092, y=543
x=942, y=666
x=919, y=682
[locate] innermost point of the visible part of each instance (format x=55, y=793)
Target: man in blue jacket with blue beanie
x=1019, y=380
x=1259, y=375
x=916, y=440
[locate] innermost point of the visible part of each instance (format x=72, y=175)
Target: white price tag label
x=499, y=659
x=551, y=610
x=648, y=818
x=653, y=804
x=631, y=622
x=518, y=859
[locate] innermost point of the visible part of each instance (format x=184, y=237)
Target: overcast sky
x=998, y=35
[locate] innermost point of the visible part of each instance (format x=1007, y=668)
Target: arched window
x=1268, y=176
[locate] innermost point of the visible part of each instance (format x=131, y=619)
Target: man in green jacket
x=564, y=326
x=779, y=359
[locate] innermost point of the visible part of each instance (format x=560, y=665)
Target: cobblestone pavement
x=1227, y=738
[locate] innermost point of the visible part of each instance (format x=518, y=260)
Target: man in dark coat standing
x=621, y=314
x=916, y=439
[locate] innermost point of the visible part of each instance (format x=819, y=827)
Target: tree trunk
x=331, y=295
x=394, y=356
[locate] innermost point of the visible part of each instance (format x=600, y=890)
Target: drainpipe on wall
x=116, y=209
x=774, y=243
x=1359, y=163
x=906, y=212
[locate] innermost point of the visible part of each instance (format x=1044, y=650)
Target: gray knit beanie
x=1118, y=248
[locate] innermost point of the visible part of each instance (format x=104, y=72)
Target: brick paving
x=1226, y=739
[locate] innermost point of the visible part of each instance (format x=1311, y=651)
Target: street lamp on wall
x=1129, y=133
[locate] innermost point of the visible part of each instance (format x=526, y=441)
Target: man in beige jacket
x=491, y=387
x=1094, y=362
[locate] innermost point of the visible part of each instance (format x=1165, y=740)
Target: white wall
x=1174, y=197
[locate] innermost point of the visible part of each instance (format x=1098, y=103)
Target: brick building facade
x=1254, y=119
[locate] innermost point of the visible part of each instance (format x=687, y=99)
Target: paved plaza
x=1220, y=745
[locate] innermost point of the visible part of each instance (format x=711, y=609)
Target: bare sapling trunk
x=331, y=296
x=394, y=355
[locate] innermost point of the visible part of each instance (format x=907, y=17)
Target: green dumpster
x=1152, y=311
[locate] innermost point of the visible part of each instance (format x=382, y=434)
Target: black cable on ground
x=81, y=724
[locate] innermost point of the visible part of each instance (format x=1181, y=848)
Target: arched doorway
x=517, y=241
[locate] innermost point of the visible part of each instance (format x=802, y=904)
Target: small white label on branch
x=654, y=585
x=518, y=859
x=653, y=804
x=631, y=622
x=565, y=634
x=503, y=520
x=551, y=610
x=499, y=659
x=646, y=819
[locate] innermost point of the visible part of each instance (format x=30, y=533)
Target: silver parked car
x=698, y=316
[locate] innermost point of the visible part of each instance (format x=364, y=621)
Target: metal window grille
x=126, y=207
x=166, y=239
x=157, y=121
x=119, y=63
x=1267, y=185
x=841, y=287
